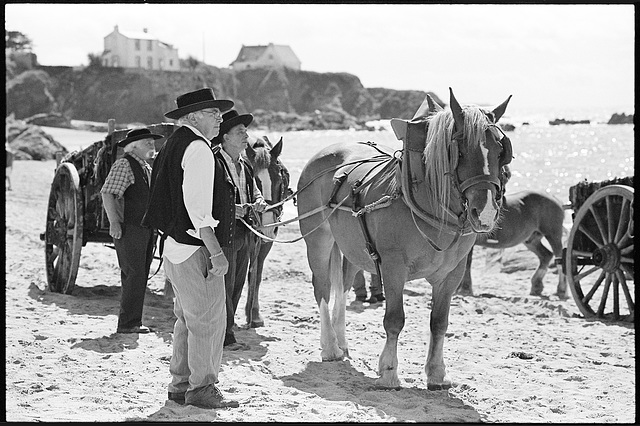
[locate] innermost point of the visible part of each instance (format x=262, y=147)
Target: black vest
x=166, y=210
x=137, y=195
x=225, y=190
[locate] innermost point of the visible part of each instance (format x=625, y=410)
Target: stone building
x=271, y=56
x=131, y=49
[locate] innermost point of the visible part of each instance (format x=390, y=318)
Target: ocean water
x=546, y=158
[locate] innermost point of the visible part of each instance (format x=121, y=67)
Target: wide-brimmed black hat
x=136, y=135
x=230, y=119
x=197, y=100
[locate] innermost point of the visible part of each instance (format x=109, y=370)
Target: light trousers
x=198, y=334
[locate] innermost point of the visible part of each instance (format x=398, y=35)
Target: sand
x=514, y=357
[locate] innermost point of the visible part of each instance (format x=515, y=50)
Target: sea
x=546, y=158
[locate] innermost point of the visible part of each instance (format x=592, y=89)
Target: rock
x=30, y=141
x=49, y=120
x=621, y=119
x=29, y=94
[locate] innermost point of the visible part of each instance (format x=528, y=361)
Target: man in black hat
x=192, y=204
x=125, y=194
x=233, y=139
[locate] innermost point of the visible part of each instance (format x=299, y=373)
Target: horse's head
x=272, y=177
x=464, y=150
x=483, y=151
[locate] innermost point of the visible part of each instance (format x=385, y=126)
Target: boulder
x=30, y=141
x=621, y=119
x=29, y=94
x=49, y=120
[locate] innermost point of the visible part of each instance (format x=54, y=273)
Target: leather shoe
x=236, y=346
x=176, y=397
x=209, y=397
x=140, y=329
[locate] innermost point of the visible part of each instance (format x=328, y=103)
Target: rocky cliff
x=286, y=99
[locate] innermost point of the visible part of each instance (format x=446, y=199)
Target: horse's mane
x=441, y=154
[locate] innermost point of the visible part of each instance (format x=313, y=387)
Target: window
x=171, y=62
x=149, y=45
x=137, y=44
x=159, y=64
x=150, y=62
x=138, y=63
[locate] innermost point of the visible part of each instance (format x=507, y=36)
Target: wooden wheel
x=599, y=258
x=63, y=234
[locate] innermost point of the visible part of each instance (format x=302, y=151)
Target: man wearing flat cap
x=192, y=205
x=233, y=139
x=125, y=194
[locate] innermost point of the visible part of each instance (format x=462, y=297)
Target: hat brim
x=222, y=104
x=245, y=119
x=127, y=141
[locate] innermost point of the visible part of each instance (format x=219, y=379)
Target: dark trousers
x=135, y=252
x=238, y=257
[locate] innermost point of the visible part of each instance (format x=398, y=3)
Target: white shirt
x=197, y=188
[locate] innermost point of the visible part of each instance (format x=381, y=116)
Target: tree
x=192, y=63
x=15, y=41
x=95, y=60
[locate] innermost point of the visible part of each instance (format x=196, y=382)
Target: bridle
x=485, y=180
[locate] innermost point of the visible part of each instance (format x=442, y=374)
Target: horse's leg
x=465, y=288
x=394, y=276
x=534, y=244
x=435, y=367
x=338, y=319
x=555, y=241
x=252, y=307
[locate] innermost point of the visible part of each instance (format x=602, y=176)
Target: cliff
x=289, y=98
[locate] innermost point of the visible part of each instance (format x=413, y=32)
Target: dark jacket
x=136, y=196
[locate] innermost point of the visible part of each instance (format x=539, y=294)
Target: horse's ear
x=277, y=149
x=251, y=153
x=428, y=107
x=500, y=109
x=456, y=109
x=399, y=128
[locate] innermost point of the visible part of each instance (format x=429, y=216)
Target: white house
x=271, y=56
x=131, y=49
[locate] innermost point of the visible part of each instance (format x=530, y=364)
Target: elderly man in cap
x=125, y=194
x=233, y=139
x=192, y=204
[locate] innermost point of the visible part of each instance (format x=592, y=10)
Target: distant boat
x=563, y=121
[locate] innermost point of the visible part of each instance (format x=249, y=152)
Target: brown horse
x=416, y=212
x=526, y=217
x=272, y=177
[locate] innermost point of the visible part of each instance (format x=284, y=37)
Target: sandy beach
x=514, y=357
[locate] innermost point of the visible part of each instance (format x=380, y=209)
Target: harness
x=410, y=172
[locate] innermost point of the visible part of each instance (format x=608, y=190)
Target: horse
x=402, y=215
x=526, y=217
x=272, y=177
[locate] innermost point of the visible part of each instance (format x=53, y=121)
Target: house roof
x=253, y=53
x=138, y=34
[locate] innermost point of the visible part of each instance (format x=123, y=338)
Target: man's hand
x=219, y=264
x=260, y=205
x=115, y=230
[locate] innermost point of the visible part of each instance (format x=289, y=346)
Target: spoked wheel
x=599, y=257
x=63, y=234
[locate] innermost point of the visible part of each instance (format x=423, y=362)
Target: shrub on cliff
x=28, y=94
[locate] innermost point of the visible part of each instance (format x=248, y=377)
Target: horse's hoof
x=256, y=324
x=439, y=386
x=386, y=386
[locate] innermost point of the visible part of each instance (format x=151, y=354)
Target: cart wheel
x=63, y=234
x=599, y=258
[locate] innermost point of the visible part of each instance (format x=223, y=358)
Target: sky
x=557, y=56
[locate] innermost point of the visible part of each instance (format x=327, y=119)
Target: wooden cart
x=74, y=213
x=599, y=260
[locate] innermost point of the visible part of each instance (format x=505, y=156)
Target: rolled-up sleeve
x=197, y=186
